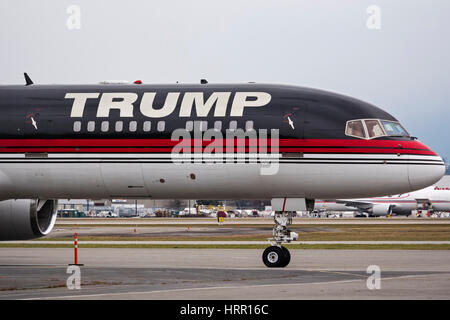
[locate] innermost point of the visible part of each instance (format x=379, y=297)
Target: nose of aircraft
x=423, y=171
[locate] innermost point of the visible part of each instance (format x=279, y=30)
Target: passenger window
x=189, y=125
x=233, y=125
x=105, y=126
x=200, y=125
x=355, y=128
x=91, y=126
x=77, y=126
x=374, y=128
x=161, y=126
x=147, y=126
x=119, y=126
x=218, y=125
x=133, y=126
x=249, y=125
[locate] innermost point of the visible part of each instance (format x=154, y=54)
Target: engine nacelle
x=26, y=219
x=382, y=209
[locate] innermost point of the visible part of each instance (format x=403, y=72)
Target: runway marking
x=131, y=242
x=33, y=265
x=344, y=273
x=214, y=288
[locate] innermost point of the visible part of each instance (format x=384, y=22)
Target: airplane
x=285, y=143
x=431, y=198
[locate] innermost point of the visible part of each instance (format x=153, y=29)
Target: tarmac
x=223, y=274
x=244, y=221
x=237, y=242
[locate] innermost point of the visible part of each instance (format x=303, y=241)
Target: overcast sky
x=402, y=67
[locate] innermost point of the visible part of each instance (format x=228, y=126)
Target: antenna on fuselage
x=27, y=79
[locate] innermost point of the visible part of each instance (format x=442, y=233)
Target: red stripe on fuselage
x=251, y=142
x=166, y=145
x=166, y=150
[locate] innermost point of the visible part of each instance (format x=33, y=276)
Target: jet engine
x=26, y=219
x=382, y=209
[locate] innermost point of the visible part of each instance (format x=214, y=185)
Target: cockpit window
x=355, y=128
x=394, y=129
x=374, y=128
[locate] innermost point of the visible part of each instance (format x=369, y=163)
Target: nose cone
x=423, y=171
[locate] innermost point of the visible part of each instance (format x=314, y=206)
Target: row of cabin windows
x=118, y=126
x=203, y=125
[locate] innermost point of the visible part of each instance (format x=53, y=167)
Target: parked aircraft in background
x=435, y=198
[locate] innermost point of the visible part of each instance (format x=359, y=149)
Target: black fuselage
x=317, y=114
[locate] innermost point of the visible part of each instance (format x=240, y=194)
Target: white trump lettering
x=80, y=101
x=124, y=102
x=240, y=102
x=147, y=105
x=125, y=105
x=203, y=108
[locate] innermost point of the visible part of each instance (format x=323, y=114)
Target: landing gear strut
x=277, y=256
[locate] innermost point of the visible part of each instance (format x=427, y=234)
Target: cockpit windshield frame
x=376, y=131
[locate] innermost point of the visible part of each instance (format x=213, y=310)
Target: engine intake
x=382, y=209
x=26, y=219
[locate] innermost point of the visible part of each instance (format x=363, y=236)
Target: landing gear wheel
x=273, y=256
x=286, y=258
x=276, y=257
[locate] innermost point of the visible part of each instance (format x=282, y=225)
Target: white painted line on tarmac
x=218, y=242
x=213, y=288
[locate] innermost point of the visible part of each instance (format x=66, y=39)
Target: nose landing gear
x=277, y=256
